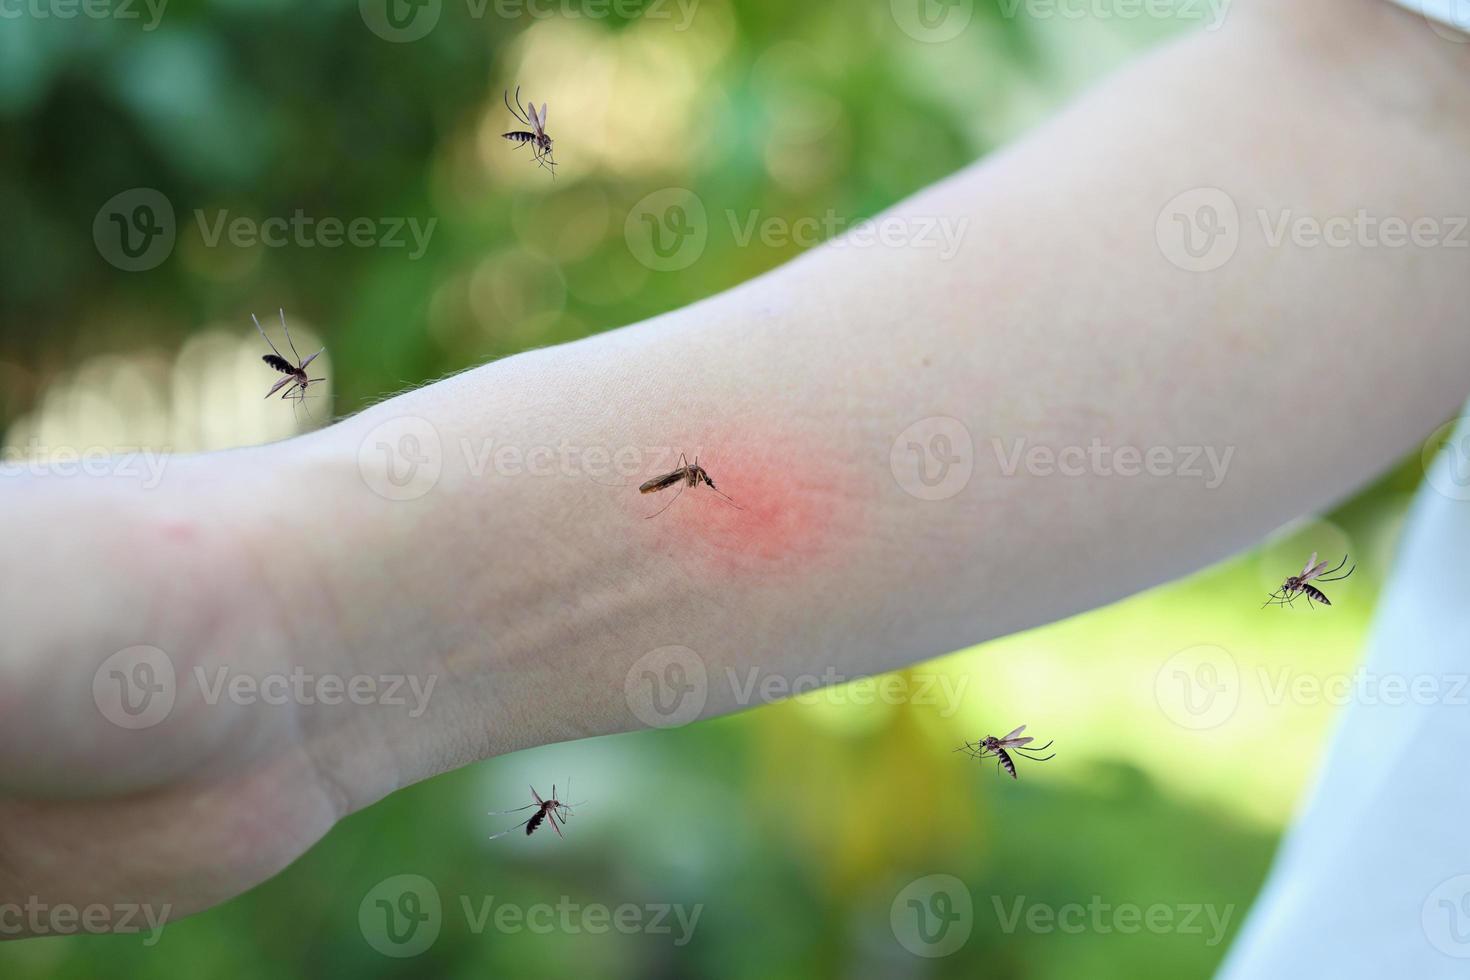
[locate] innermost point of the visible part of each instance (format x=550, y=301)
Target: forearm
x=1058, y=322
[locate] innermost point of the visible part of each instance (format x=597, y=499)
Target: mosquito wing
x=535, y=119
x=541, y=120
x=662, y=482
x=1007, y=738
x=277, y=386
x=537, y=795
x=1017, y=742
x=1314, y=571
x=551, y=817
x=312, y=358
x=1311, y=562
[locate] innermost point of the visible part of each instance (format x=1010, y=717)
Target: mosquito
x=536, y=136
x=990, y=745
x=686, y=475
x=295, y=380
x=550, y=811
x=1299, y=585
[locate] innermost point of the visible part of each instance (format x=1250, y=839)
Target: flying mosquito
x=990, y=745
x=295, y=380
x=1299, y=585
x=686, y=475
x=550, y=811
x=536, y=136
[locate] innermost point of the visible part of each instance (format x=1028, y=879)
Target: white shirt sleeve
x=1455, y=13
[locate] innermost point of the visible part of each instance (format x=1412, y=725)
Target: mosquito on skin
x=990, y=745
x=536, y=137
x=549, y=811
x=295, y=381
x=687, y=475
x=1298, y=585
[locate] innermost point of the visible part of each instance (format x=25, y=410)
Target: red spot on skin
x=177, y=531
x=791, y=507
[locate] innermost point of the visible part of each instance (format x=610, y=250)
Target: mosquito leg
x=511, y=830
x=519, y=113
x=727, y=498
x=288, y=336
x=667, y=505
x=263, y=336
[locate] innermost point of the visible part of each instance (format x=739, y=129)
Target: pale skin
x=529, y=598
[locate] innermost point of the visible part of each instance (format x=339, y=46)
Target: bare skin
x=528, y=598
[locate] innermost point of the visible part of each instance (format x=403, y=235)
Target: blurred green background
x=795, y=828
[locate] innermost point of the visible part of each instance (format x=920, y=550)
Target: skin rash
x=793, y=508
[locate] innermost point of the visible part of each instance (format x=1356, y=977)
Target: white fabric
x=1367, y=883
x=1455, y=13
